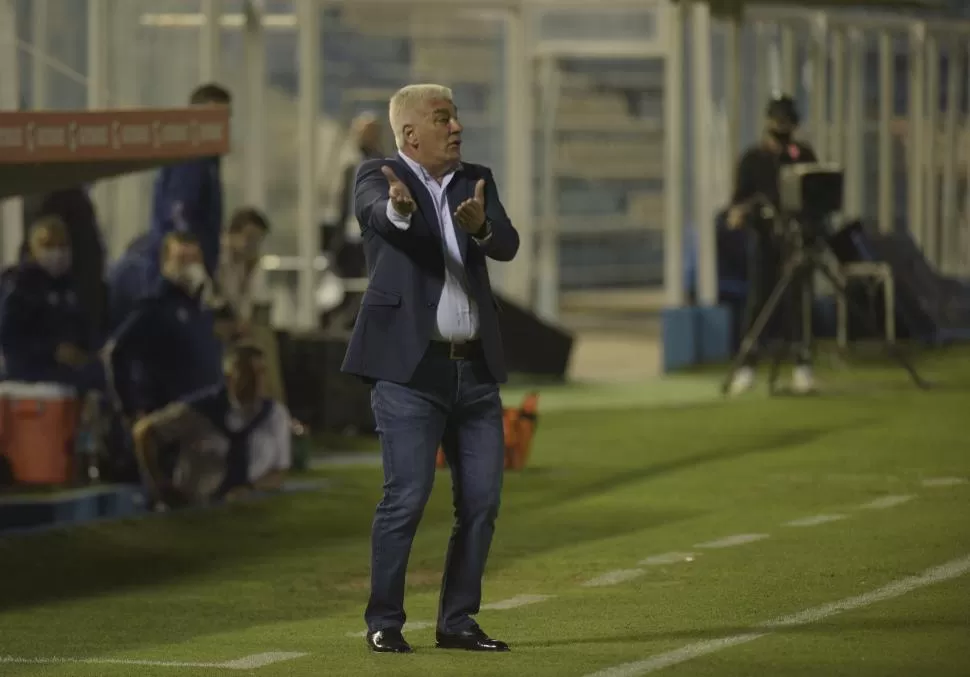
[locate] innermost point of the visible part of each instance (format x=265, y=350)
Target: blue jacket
x=188, y=196
x=37, y=313
x=165, y=350
x=133, y=277
x=406, y=272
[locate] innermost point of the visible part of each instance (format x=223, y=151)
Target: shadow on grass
x=769, y=443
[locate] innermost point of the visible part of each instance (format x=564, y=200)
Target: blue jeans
x=455, y=403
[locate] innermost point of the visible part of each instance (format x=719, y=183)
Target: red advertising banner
x=86, y=136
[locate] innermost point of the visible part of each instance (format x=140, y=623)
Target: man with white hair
x=427, y=339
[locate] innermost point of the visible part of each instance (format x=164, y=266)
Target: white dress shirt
x=457, y=319
x=244, y=287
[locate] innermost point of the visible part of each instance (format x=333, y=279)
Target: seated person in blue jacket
x=167, y=349
x=188, y=196
x=132, y=278
x=232, y=439
x=45, y=335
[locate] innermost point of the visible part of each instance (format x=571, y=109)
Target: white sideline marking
x=731, y=541
x=260, y=659
x=516, y=602
x=410, y=625
x=613, y=577
x=943, y=481
x=887, y=502
x=245, y=663
x=667, y=558
x=944, y=572
x=814, y=521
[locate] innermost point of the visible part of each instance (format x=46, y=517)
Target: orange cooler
x=38, y=424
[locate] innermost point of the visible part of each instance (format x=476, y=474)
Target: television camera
x=811, y=201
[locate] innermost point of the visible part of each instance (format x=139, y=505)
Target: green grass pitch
x=619, y=474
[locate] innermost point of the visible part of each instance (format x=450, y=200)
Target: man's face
x=436, y=134
x=183, y=265
x=245, y=243
x=247, y=380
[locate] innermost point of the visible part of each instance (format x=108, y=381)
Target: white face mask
x=192, y=278
x=55, y=261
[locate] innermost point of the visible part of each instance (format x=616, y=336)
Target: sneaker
x=802, y=380
x=742, y=381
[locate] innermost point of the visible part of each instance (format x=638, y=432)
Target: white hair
x=406, y=100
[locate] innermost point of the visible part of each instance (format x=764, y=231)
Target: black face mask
x=783, y=137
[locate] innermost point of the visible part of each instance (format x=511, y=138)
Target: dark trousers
x=766, y=262
x=457, y=402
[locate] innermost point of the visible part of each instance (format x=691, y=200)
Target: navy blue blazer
x=406, y=271
x=38, y=312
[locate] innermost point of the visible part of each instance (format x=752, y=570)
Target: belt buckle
x=453, y=351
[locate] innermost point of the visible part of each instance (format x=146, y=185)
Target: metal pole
x=931, y=203
x=702, y=186
x=41, y=41
x=254, y=55
x=887, y=204
x=99, y=45
x=211, y=47
x=132, y=192
x=836, y=137
x=917, y=115
x=789, y=59
x=11, y=209
x=519, y=153
x=762, y=74
x=819, y=94
x=732, y=89
x=949, y=226
x=308, y=114
x=965, y=246
x=547, y=285
x=855, y=129
x=674, y=159
x=99, y=34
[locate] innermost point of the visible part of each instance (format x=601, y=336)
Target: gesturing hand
x=471, y=213
x=736, y=216
x=398, y=193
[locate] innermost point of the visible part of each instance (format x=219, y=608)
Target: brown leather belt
x=470, y=350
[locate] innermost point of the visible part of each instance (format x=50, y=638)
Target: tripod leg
x=873, y=325
x=750, y=339
x=782, y=347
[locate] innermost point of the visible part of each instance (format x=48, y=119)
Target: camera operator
x=754, y=205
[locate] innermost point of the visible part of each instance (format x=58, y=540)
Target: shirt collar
x=422, y=173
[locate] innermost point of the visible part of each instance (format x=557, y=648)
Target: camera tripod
x=801, y=264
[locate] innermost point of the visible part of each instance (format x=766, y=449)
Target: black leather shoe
x=473, y=639
x=388, y=641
